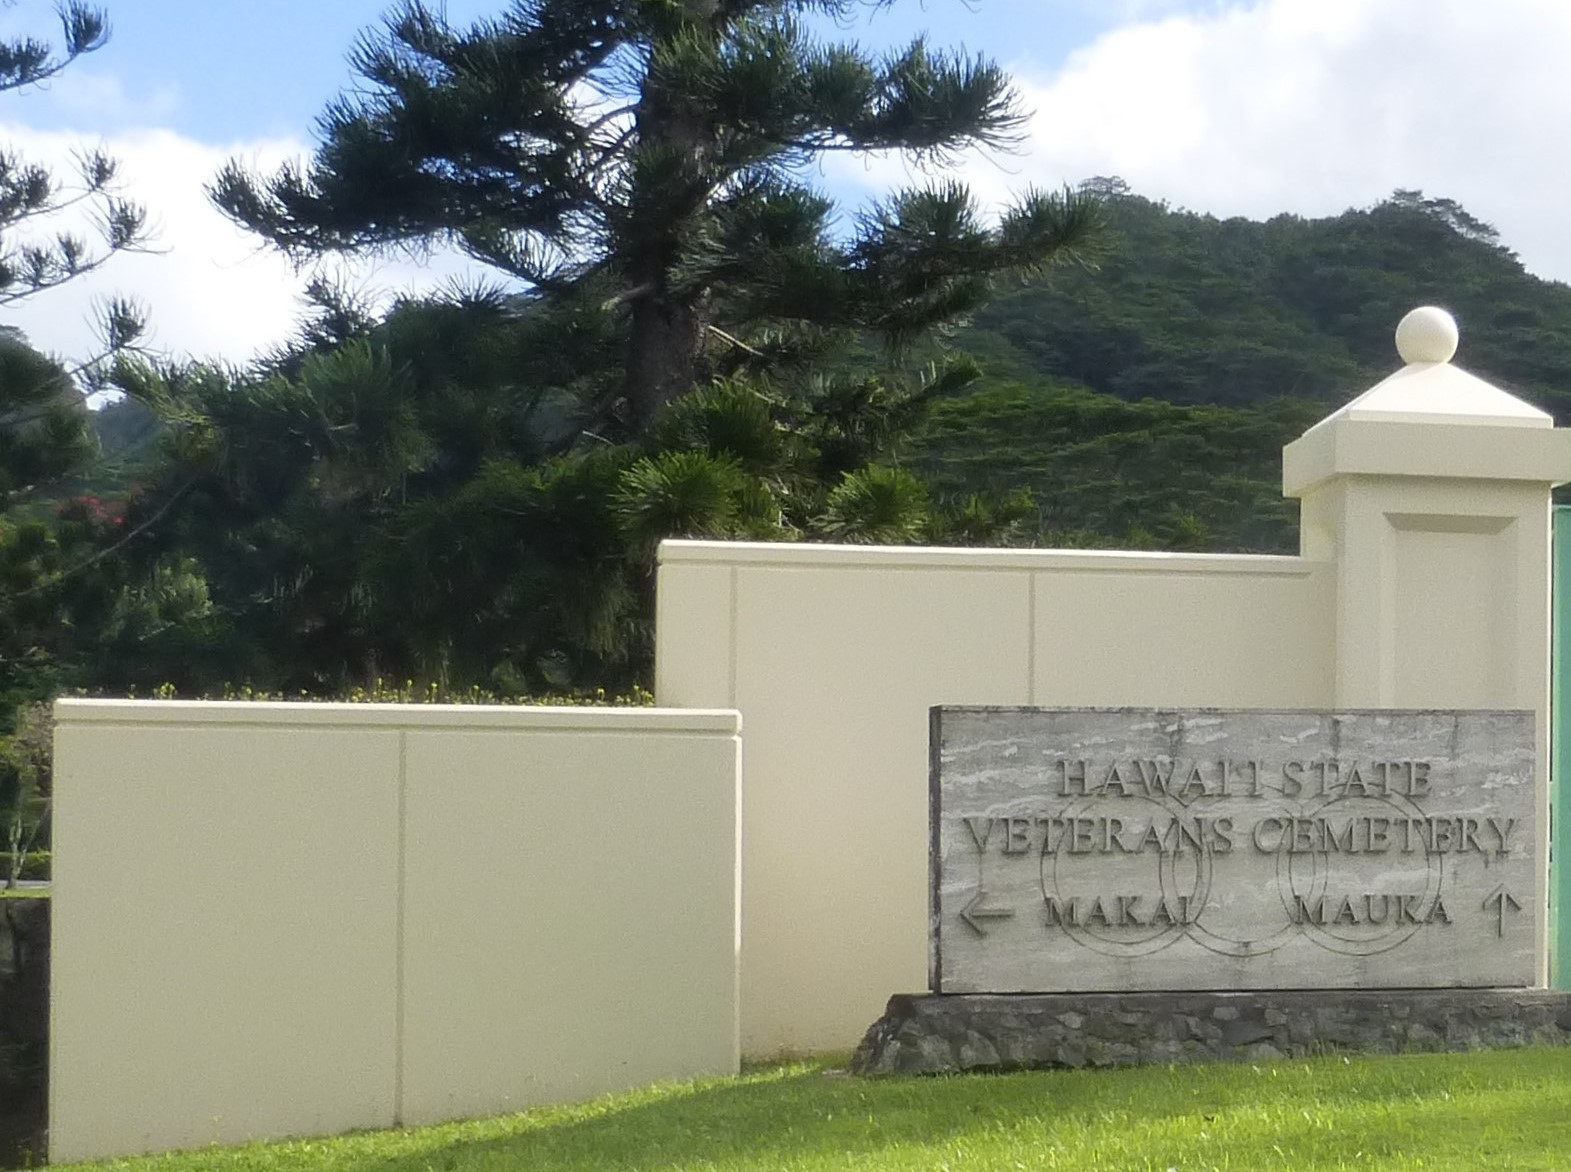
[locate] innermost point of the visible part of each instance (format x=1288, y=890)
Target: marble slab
x=1133, y=849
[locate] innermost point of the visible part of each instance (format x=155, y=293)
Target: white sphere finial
x=1427, y=334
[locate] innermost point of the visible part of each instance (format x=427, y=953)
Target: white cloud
x=1314, y=106
x=1305, y=106
x=80, y=92
x=213, y=290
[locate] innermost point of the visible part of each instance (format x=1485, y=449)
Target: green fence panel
x=1560, y=761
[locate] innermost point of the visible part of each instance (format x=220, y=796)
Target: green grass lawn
x=1506, y=1109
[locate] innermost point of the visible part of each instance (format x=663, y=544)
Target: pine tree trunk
x=666, y=328
x=662, y=354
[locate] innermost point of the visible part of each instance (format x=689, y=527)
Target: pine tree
x=644, y=161
x=43, y=425
x=48, y=608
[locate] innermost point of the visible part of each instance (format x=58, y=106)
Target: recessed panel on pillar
x=1135, y=849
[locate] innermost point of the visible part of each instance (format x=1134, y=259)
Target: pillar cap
x=1430, y=419
x=1427, y=334
x=1429, y=389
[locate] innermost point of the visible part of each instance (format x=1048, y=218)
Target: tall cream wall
x=1423, y=582
x=1440, y=534
x=835, y=654
x=299, y=919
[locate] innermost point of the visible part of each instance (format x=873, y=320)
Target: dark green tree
x=43, y=425
x=640, y=166
x=381, y=501
x=46, y=607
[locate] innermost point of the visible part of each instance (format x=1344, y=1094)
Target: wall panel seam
x=398, y=937
x=733, y=627
x=1031, y=583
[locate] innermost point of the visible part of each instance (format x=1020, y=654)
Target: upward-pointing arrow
x=1501, y=898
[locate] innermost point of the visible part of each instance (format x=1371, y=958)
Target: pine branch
x=54, y=580
x=29, y=61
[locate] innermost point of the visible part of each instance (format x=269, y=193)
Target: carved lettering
x=1017, y=837
x=1503, y=828
x=1292, y=778
x=1156, y=781
x=1417, y=779
x=1194, y=784
x=1222, y=835
x=1302, y=913
x=980, y=838
x=1354, y=777
x=1111, y=829
x=1071, y=773
x=1377, y=834
x=1303, y=840
x=1344, y=843
x=1276, y=825
x=1062, y=914
x=1262, y=835
x=1115, y=776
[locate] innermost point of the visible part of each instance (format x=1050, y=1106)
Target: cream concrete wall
x=584, y=892
x=225, y=918
x=1443, y=591
x=1423, y=582
x=298, y=919
x=836, y=653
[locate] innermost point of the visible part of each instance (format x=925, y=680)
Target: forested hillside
x=1145, y=403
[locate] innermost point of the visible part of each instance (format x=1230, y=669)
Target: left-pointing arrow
x=974, y=913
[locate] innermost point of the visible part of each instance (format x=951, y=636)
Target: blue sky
x=1234, y=107
x=221, y=71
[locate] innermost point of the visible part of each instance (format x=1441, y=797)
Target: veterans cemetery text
x=1131, y=849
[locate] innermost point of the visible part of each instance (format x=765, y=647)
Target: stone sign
x=1131, y=849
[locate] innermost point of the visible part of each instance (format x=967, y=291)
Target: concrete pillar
x=1430, y=493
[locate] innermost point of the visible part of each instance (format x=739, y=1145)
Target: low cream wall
x=275, y=919
x=834, y=654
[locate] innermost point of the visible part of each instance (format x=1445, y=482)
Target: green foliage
x=680, y=494
x=33, y=260
x=443, y=495
x=401, y=503
x=26, y=793
x=1146, y=406
x=728, y=419
x=1192, y=309
x=408, y=692
x=1102, y=471
x=33, y=866
x=471, y=489
x=877, y=506
x=641, y=169
x=51, y=524
x=978, y=519
x=43, y=420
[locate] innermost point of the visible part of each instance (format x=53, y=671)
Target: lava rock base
x=948, y=1034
